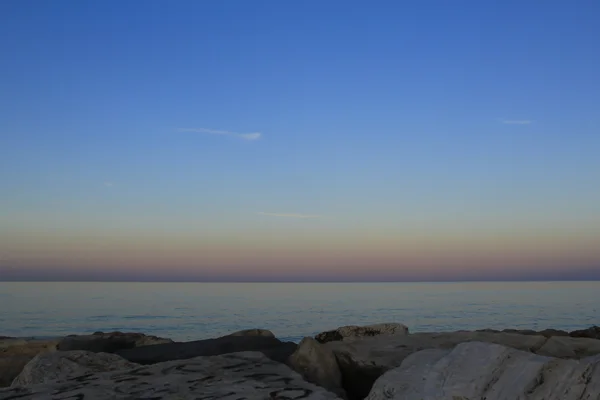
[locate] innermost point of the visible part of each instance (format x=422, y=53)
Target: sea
x=191, y=311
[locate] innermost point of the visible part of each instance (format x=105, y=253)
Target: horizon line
x=305, y=281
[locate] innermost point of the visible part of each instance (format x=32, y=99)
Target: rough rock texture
x=248, y=376
x=353, y=331
x=16, y=353
x=591, y=333
x=271, y=347
x=477, y=370
x=364, y=360
x=59, y=365
x=108, y=342
x=570, y=347
x=317, y=364
x=253, y=332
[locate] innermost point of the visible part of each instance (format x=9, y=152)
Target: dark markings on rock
x=285, y=380
x=17, y=396
x=140, y=372
x=206, y=378
x=189, y=368
x=77, y=396
x=242, y=364
x=281, y=394
x=537, y=382
x=83, y=378
x=330, y=336
x=69, y=388
x=269, y=377
x=126, y=379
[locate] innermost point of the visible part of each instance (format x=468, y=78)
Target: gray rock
x=477, y=370
x=248, y=376
x=271, y=347
x=109, y=342
x=59, y=366
x=546, y=332
x=253, y=332
x=570, y=347
x=353, y=331
x=317, y=364
x=363, y=361
x=16, y=353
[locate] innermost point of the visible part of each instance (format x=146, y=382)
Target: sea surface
x=189, y=311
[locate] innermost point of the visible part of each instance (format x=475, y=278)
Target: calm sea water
x=188, y=311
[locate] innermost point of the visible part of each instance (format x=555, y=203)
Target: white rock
x=477, y=370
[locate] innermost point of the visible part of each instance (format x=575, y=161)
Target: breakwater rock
x=374, y=362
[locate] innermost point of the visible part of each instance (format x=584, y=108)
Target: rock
x=570, y=347
x=353, y=331
x=363, y=361
x=59, y=366
x=15, y=354
x=110, y=342
x=317, y=364
x=271, y=347
x=247, y=375
x=477, y=370
x=590, y=333
x=546, y=332
x=253, y=332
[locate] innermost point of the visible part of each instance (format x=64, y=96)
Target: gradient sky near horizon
x=306, y=140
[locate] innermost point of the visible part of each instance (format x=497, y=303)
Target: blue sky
x=387, y=118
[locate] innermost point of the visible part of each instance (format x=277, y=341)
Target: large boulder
x=363, y=361
x=269, y=346
x=317, y=364
x=590, y=333
x=16, y=353
x=477, y=370
x=59, y=366
x=109, y=342
x=353, y=331
x=253, y=332
x=247, y=375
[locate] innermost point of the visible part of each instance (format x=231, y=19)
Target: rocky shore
x=373, y=362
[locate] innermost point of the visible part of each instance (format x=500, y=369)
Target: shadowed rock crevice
x=271, y=347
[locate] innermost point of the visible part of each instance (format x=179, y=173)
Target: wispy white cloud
x=245, y=136
x=289, y=215
x=109, y=184
x=517, y=121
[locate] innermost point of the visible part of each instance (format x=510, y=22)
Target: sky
x=299, y=140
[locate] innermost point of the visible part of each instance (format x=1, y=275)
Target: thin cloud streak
x=245, y=136
x=289, y=215
x=108, y=184
x=517, y=121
